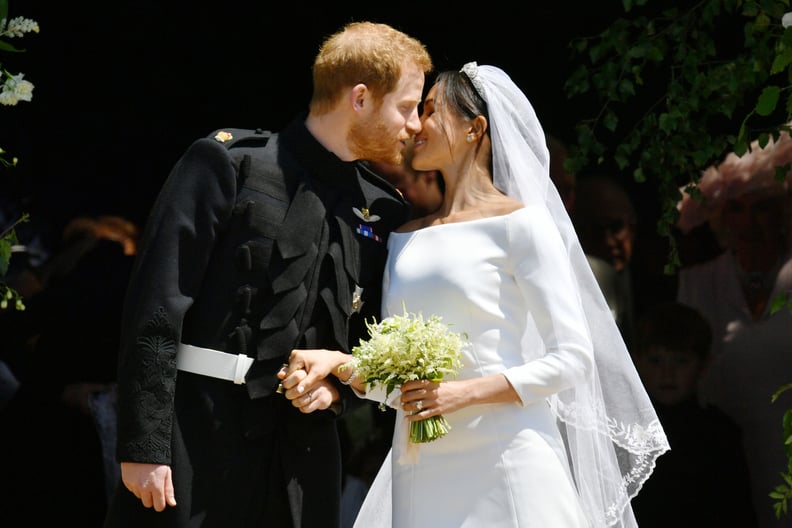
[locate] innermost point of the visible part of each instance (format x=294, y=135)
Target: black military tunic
x=258, y=243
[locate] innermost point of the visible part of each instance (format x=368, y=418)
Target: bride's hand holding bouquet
x=413, y=354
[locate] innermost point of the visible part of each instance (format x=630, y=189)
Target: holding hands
x=303, y=379
x=304, y=382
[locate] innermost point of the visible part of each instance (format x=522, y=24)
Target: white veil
x=612, y=431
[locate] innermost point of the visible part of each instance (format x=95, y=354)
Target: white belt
x=213, y=363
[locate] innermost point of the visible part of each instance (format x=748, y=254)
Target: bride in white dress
x=550, y=425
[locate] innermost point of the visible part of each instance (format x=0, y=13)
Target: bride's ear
x=478, y=126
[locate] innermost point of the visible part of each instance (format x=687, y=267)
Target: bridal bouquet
x=406, y=347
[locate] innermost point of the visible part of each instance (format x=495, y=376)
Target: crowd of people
x=748, y=210
x=200, y=372
x=61, y=362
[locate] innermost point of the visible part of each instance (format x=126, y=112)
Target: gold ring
x=279, y=390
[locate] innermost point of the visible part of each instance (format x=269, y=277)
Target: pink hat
x=754, y=172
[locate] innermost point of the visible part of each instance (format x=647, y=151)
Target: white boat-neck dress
x=501, y=465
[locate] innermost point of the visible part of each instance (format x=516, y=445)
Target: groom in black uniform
x=260, y=243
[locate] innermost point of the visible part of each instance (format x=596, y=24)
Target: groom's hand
x=318, y=396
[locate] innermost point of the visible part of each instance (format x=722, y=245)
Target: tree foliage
x=13, y=89
x=677, y=88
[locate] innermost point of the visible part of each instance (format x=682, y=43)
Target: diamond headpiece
x=471, y=70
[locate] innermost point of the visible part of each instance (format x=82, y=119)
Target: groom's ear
x=357, y=96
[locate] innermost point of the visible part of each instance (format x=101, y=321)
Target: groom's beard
x=371, y=140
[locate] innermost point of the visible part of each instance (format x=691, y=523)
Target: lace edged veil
x=612, y=431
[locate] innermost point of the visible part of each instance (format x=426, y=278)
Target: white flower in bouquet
x=408, y=347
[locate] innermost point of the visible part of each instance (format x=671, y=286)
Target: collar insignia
x=365, y=215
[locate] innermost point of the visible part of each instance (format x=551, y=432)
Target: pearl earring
x=469, y=138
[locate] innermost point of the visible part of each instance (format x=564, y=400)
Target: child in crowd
x=703, y=480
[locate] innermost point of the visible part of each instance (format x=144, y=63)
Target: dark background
x=122, y=88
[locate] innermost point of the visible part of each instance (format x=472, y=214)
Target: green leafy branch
x=672, y=92
x=783, y=492
x=14, y=88
x=8, y=239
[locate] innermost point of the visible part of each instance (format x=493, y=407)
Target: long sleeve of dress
x=544, y=277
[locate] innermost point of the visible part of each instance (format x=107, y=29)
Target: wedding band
x=279, y=390
x=310, y=396
x=419, y=405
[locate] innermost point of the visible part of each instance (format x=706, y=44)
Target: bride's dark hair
x=456, y=89
x=456, y=92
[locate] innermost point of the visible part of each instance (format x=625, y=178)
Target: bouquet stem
x=429, y=429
